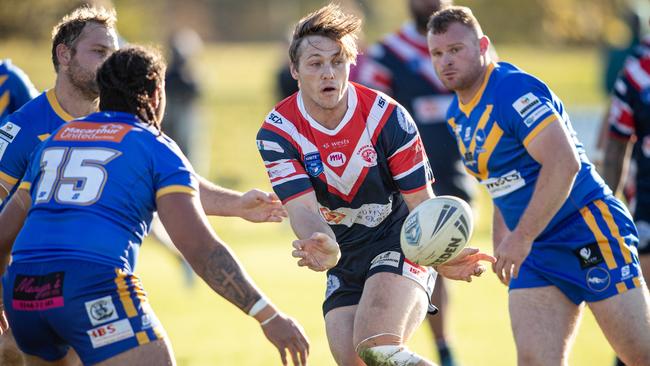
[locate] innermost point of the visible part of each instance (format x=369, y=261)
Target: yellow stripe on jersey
x=43, y=137
x=613, y=228
x=142, y=337
x=636, y=281
x=159, y=332
x=51, y=97
x=25, y=185
x=125, y=295
x=547, y=121
x=175, y=189
x=485, y=117
x=8, y=178
x=491, y=142
x=469, y=107
x=3, y=78
x=601, y=239
x=621, y=287
x=4, y=101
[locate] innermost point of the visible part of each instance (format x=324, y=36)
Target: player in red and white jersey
x=348, y=164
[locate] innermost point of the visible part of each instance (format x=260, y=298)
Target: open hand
x=287, y=335
x=510, y=254
x=260, y=206
x=465, y=265
x=319, y=253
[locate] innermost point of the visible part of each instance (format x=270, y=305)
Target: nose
x=328, y=71
x=446, y=58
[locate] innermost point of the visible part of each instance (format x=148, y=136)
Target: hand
x=510, y=254
x=4, y=324
x=318, y=253
x=259, y=206
x=286, y=334
x=465, y=265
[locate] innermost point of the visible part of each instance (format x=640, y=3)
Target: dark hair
x=71, y=26
x=328, y=21
x=128, y=79
x=442, y=19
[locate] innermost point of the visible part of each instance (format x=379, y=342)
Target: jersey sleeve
x=283, y=164
x=407, y=158
x=625, y=98
x=21, y=87
x=16, y=145
x=172, y=173
x=525, y=107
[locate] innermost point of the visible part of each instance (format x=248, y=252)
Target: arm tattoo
x=226, y=276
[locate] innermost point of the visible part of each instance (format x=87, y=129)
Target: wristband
x=258, y=306
x=267, y=321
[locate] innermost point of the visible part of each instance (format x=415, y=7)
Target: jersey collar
x=352, y=106
x=54, y=103
x=469, y=107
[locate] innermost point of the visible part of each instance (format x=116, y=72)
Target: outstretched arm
x=211, y=258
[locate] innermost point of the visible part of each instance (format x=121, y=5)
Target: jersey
x=630, y=117
x=94, y=185
x=15, y=88
x=357, y=170
x=493, y=131
x=23, y=130
x=400, y=65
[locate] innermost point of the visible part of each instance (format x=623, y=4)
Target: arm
x=553, y=150
x=5, y=188
x=215, y=263
x=499, y=228
x=254, y=205
x=316, y=245
x=617, y=153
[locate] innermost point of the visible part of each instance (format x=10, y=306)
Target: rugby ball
x=436, y=230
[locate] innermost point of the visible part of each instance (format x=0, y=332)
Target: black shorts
x=345, y=281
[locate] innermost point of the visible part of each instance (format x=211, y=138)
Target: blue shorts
x=98, y=310
x=590, y=256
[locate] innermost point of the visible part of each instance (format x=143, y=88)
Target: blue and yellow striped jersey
x=94, y=185
x=493, y=131
x=15, y=88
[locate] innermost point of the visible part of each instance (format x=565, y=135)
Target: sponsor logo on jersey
x=336, y=159
x=8, y=131
x=506, y=184
x=313, y=164
x=390, y=258
x=110, y=333
x=626, y=274
x=101, y=310
x=333, y=283
x=275, y=118
x=3, y=147
x=332, y=217
x=589, y=255
x=281, y=170
x=36, y=293
x=92, y=131
x=412, y=230
x=368, y=155
x=536, y=115
x=417, y=273
x=468, y=134
x=405, y=121
x=598, y=279
x=265, y=145
x=369, y=214
x=526, y=103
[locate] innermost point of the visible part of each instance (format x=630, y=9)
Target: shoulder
x=513, y=84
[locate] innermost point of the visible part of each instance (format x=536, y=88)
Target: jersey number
x=73, y=175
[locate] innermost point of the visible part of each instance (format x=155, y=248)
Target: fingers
x=4, y=324
x=283, y=355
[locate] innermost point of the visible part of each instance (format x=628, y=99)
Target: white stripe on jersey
x=406, y=146
x=406, y=173
x=352, y=105
x=638, y=74
x=288, y=179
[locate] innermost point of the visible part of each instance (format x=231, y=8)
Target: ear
x=484, y=44
x=155, y=98
x=63, y=54
x=294, y=71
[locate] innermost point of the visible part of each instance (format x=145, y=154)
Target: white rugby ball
x=436, y=230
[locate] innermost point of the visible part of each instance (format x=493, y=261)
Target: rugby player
x=560, y=237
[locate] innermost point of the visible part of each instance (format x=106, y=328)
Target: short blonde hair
x=328, y=21
x=442, y=19
x=71, y=26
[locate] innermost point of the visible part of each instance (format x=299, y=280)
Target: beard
x=83, y=80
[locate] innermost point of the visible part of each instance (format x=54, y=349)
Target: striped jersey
x=15, y=88
x=357, y=170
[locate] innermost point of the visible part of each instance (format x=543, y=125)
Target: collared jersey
x=493, y=131
x=356, y=170
x=630, y=117
x=400, y=66
x=94, y=185
x=22, y=131
x=15, y=88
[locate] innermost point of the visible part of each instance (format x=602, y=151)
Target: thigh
x=543, y=323
x=156, y=353
x=625, y=321
x=339, y=324
x=391, y=304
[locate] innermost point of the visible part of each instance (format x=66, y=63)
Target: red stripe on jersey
x=419, y=188
x=645, y=64
x=423, y=48
x=281, y=132
x=290, y=198
x=405, y=160
x=382, y=122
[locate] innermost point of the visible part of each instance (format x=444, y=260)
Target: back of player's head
x=328, y=21
x=71, y=26
x=442, y=19
x=128, y=79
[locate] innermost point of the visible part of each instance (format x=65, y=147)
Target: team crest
x=368, y=155
x=405, y=122
x=412, y=231
x=313, y=164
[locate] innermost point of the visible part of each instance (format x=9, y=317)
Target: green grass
x=205, y=329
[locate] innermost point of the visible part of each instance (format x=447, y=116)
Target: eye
x=315, y=64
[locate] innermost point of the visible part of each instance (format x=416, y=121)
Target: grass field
x=205, y=329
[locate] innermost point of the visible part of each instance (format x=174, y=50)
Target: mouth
x=328, y=89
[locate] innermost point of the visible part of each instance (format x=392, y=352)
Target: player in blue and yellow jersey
x=560, y=237
x=348, y=163
x=87, y=201
x=15, y=90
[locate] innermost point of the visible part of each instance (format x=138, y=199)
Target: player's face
x=421, y=10
x=322, y=72
x=94, y=45
x=457, y=56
